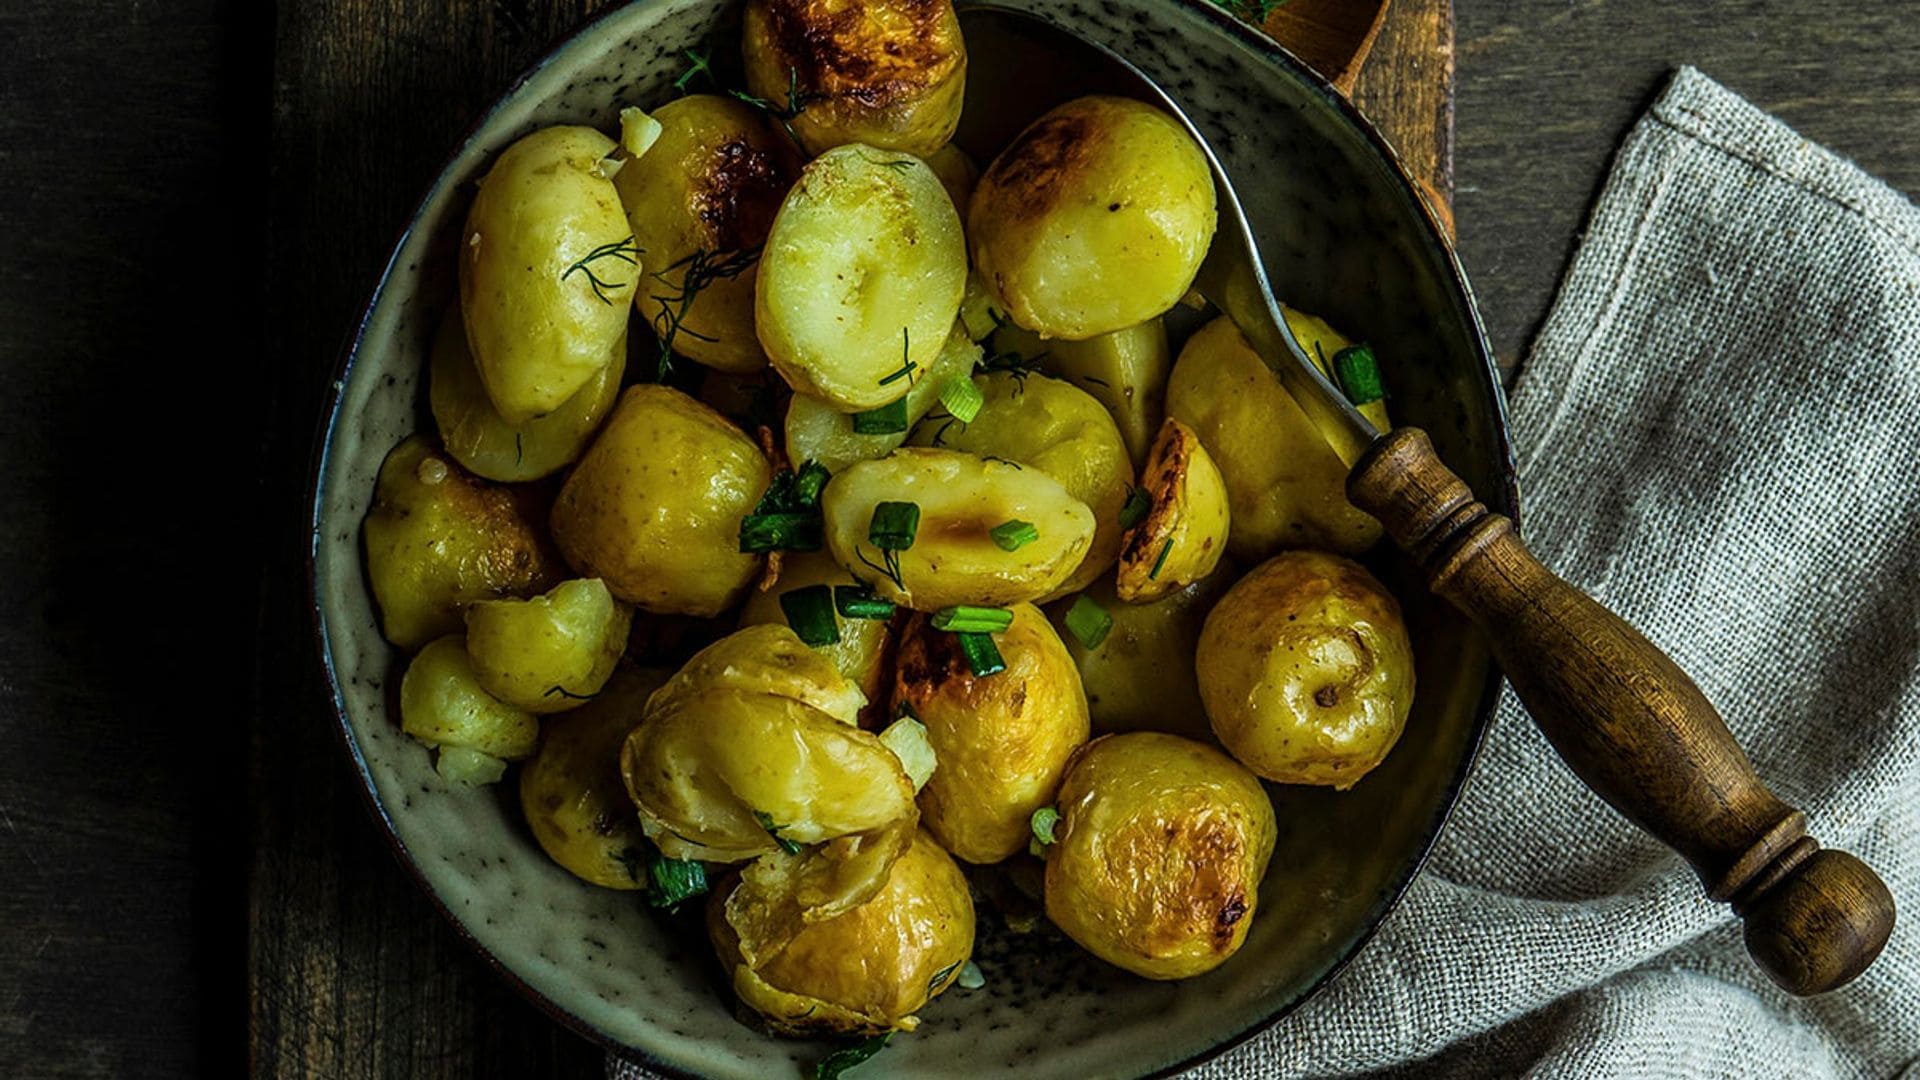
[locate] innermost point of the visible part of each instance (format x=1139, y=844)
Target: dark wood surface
x=199, y=193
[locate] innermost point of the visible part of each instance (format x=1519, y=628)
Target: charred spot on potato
x=740, y=191
x=871, y=54
x=1042, y=161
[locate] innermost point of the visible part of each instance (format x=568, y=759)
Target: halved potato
x=861, y=278
x=766, y=659
x=864, y=647
x=954, y=559
x=571, y=792
x=816, y=431
x=1184, y=533
x=1140, y=676
x=444, y=706
x=1126, y=371
x=550, y=653
x=479, y=438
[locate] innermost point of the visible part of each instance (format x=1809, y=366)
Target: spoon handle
x=1632, y=725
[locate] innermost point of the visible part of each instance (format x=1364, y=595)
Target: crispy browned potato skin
x=1159, y=852
x=572, y=794
x=439, y=538
x=1184, y=534
x=867, y=971
x=888, y=73
x=1002, y=741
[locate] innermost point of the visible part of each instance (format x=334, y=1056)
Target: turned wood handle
x=1632, y=725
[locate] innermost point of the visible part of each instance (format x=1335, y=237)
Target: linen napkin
x=1719, y=437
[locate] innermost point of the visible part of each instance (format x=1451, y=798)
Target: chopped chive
x=1014, y=535
x=1135, y=509
x=1359, y=374
x=888, y=419
x=1154, y=574
x=807, y=484
x=1088, y=622
x=781, y=532
x=809, y=612
x=894, y=525
x=966, y=619
x=766, y=822
x=831, y=1066
x=674, y=881
x=983, y=657
x=962, y=398
x=1042, y=823
x=859, y=602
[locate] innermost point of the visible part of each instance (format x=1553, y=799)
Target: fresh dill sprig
x=889, y=565
x=700, y=66
x=698, y=270
x=907, y=366
x=797, y=102
x=625, y=251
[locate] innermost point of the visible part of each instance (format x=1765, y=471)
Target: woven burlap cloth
x=1718, y=434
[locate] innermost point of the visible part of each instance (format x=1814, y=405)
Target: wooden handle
x=1632, y=725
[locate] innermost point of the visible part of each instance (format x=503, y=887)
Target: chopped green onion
x=971, y=977
x=807, y=484
x=962, y=398
x=1135, y=509
x=1014, y=535
x=847, y=1057
x=1088, y=622
x=1154, y=574
x=674, y=881
x=1042, y=823
x=890, y=419
x=859, y=602
x=1359, y=374
x=893, y=525
x=966, y=619
x=810, y=612
x=766, y=822
x=983, y=657
x=781, y=532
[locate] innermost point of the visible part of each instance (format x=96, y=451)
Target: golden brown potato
x=1306, y=670
x=1285, y=486
x=864, y=648
x=1140, y=677
x=781, y=893
x=817, y=431
x=957, y=173
x=443, y=706
x=1126, y=371
x=766, y=659
x=888, y=73
x=575, y=802
x=697, y=201
x=654, y=506
x=1184, y=534
x=1094, y=219
x=1052, y=426
x=1001, y=741
x=548, y=268
x=980, y=313
x=550, y=653
x=439, y=539
x=1158, y=854
x=954, y=559
x=867, y=971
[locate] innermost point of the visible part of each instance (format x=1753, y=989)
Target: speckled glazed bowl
x=1344, y=235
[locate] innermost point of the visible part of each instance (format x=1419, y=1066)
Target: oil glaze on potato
x=816, y=431
x=888, y=73
x=547, y=271
x=1185, y=531
x=443, y=705
x=953, y=559
x=439, y=539
x=867, y=971
x=654, y=506
x=1094, y=219
x=705, y=192
x=1126, y=371
x=482, y=440
x=549, y=653
x=1322, y=342
x=766, y=659
x=571, y=792
x=1159, y=852
x=1002, y=741
x=864, y=649
x=862, y=275
x=1285, y=486
x=1140, y=678
x=1306, y=670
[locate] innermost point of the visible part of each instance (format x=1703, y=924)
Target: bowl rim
x=1503, y=499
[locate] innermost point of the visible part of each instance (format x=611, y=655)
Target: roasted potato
x=867, y=971
x=865, y=646
x=888, y=73
x=954, y=559
x=1158, y=853
x=861, y=278
x=1094, y=219
x=550, y=653
x=781, y=893
x=444, y=706
x=548, y=268
x=1049, y=425
x=654, y=506
x=1185, y=531
x=439, y=539
x=1306, y=670
x=1140, y=676
x=957, y=173
x=1002, y=741
x=766, y=659
x=700, y=201
x=480, y=439
x=816, y=431
x=980, y=313
x=1126, y=371
x=572, y=794
x=1285, y=486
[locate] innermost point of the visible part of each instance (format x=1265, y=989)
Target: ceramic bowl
x=1343, y=234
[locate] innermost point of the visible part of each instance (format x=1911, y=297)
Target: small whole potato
x=575, y=802
x=865, y=646
x=1094, y=219
x=1184, y=534
x=1002, y=741
x=550, y=653
x=1140, y=676
x=957, y=173
x=443, y=705
x=439, y=539
x=702, y=195
x=867, y=971
x=654, y=506
x=483, y=441
x=766, y=659
x=861, y=278
x=1126, y=371
x=1306, y=670
x=1158, y=854
x=888, y=73
x=548, y=268
x=817, y=431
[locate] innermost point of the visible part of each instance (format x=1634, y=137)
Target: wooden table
x=198, y=196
